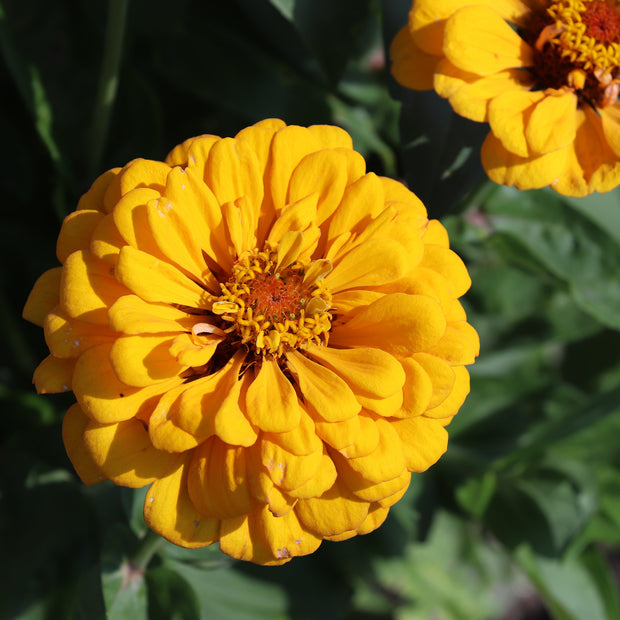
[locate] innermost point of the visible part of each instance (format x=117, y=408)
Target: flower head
x=545, y=76
x=265, y=333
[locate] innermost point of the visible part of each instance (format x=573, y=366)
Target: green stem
x=147, y=548
x=108, y=80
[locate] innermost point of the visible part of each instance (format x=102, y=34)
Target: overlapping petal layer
x=265, y=333
x=536, y=72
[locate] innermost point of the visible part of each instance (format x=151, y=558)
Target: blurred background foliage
x=521, y=517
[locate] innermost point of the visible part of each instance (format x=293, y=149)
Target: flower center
x=578, y=47
x=275, y=309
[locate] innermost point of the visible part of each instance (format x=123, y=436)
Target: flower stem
x=147, y=548
x=108, y=80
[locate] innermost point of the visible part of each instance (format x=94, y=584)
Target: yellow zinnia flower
x=545, y=76
x=265, y=333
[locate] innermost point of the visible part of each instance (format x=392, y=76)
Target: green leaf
x=331, y=30
x=545, y=507
x=575, y=588
x=32, y=90
x=124, y=587
x=578, y=250
x=227, y=594
x=170, y=597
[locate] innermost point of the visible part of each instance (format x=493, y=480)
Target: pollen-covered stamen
x=577, y=45
x=275, y=309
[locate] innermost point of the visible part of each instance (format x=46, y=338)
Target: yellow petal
x=331, y=137
x=144, y=360
x=367, y=439
x=399, y=324
x=436, y=234
x=67, y=337
x=323, y=173
x=424, y=441
x=448, y=264
x=198, y=152
x=385, y=462
x=341, y=434
x=375, y=262
x=259, y=137
x=168, y=510
x=264, y=539
x=335, y=512
x=418, y=389
x=141, y=173
x=610, y=119
x=361, y=202
x=452, y=403
x=300, y=440
x=592, y=164
x=156, y=281
x=506, y=168
x=477, y=39
x=385, y=407
x=470, y=94
x=92, y=200
x=370, y=372
x=217, y=480
x=352, y=302
x=319, y=483
x=200, y=212
x=287, y=470
x=441, y=375
x=289, y=248
x=130, y=217
x=106, y=242
x=233, y=171
x=191, y=350
x=376, y=516
x=88, y=288
x=178, y=156
x=76, y=231
x=43, y=297
x=553, y=122
x=299, y=216
x=54, y=375
x=104, y=398
x=288, y=147
x=411, y=66
x=132, y=315
x=73, y=425
x=459, y=345
x=262, y=487
x=324, y=392
x=164, y=432
x=509, y=113
x=177, y=239
x=271, y=402
x=381, y=491
x=125, y=455
x=240, y=225
x=396, y=192
x=213, y=405
x=427, y=18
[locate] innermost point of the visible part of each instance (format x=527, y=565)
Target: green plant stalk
x=108, y=81
x=147, y=548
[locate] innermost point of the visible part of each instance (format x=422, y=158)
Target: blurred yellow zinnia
x=545, y=76
x=267, y=335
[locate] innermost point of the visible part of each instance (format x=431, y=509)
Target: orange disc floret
x=263, y=332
